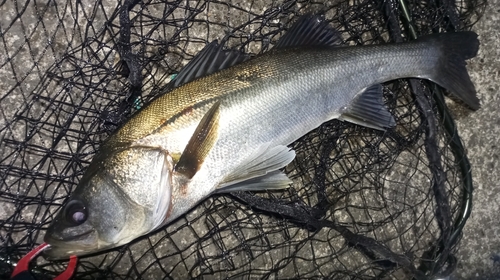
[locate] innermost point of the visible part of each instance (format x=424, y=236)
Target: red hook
x=21, y=270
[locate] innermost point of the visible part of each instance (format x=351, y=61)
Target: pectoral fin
x=200, y=144
x=368, y=110
x=260, y=171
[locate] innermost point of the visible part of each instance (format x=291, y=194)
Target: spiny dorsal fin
x=210, y=59
x=368, y=110
x=200, y=144
x=310, y=30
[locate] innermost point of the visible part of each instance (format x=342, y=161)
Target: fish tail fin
x=451, y=73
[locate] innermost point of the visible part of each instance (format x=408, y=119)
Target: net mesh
x=364, y=204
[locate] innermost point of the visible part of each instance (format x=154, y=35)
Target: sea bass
x=226, y=124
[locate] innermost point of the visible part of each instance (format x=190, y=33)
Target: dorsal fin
x=310, y=30
x=210, y=59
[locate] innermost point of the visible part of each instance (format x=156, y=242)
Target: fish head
x=117, y=200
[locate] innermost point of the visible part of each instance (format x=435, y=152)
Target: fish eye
x=75, y=213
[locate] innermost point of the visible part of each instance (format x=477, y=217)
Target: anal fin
x=369, y=110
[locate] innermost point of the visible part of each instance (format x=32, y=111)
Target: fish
x=226, y=123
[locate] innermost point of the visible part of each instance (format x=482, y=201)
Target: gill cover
x=144, y=175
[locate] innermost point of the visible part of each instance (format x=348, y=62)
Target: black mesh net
x=364, y=204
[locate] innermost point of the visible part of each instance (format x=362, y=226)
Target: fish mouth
x=63, y=248
x=71, y=238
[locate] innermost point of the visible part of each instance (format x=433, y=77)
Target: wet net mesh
x=364, y=204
